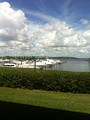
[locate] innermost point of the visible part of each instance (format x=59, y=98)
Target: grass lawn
x=18, y=103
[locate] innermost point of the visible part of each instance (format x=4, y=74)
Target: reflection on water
x=73, y=65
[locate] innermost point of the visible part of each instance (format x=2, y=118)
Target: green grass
x=39, y=103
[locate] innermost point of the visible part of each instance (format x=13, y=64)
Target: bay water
x=75, y=65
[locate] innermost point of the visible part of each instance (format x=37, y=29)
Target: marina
x=75, y=65
x=36, y=64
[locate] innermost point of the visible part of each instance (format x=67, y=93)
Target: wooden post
x=21, y=62
x=35, y=64
x=45, y=67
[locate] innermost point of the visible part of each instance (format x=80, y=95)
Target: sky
x=45, y=28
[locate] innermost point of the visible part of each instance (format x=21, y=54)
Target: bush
x=74, y=82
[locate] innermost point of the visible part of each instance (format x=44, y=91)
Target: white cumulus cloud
x=24, y=37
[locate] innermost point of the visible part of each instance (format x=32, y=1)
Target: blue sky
x=72, y=10
x=48, y=27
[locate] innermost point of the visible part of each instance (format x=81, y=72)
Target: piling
x=35, y=64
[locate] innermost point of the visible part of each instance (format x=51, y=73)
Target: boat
x=1, y=60
x=17, y=62
x=58, y=61
x=38, y=64
x=4, y=61
x=47, y=63
x=32, y=66
x=9, y=65
x=52, y=61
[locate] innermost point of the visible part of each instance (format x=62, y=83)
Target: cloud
x=65, y=7
x=61, y=36
x=86, y=35
x=13, y=30
x=88, y=27
x=40, y=15
x=20, y=36
x=83, y=21
x=11, y=22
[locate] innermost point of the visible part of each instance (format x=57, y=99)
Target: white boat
x=18, y=62
x=39, y=64
x=5, y=60
x=1, y=60
x=52, y=61
x=24, y=66
x=9, y=65
x=29, y=66
x=47, y=63
x=58, y=61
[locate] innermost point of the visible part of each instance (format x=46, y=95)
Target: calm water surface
x=75, y=65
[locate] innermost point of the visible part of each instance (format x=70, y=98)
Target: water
x=76, y=65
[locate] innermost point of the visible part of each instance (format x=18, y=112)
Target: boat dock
x=34, y=64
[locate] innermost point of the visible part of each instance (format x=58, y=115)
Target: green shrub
x=75, y=82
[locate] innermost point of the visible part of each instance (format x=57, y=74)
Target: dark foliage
x=74, y=82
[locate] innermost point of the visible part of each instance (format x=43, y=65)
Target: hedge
x=49, y=80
